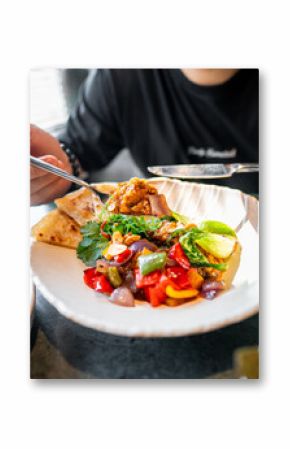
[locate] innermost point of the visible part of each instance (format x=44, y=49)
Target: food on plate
x=80, y=205
x=57, y=228
x=137, y=197
x=136, y=248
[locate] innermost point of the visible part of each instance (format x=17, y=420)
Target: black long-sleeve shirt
x=163, y=118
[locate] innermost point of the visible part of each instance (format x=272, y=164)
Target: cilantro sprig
x=92, y=245
x=91, y=248
x=139, y=225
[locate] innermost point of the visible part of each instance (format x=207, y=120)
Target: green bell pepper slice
x=151, y=262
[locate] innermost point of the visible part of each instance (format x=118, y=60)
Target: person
x=163, y=116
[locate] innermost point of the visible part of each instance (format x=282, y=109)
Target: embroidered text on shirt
x=212, y=153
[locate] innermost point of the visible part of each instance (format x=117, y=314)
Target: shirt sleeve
x=93, y=130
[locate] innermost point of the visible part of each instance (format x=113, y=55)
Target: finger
x=48, y=193
x=40, y=141
x=39, y=182
x=36, y=172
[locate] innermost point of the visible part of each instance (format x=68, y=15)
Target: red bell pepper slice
x=103, y=285
x=97, y=281
x=120, y=258
x=150, y=279
x=104, y=234
x=179, y=276
x=90, y=275
x=155, y=295
x=176, y=253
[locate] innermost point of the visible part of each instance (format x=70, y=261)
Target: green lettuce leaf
x=181, y=218
x=195, y=256
x=217, y=227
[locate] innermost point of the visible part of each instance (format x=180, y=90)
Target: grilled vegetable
x=179, y=276
x=97, y=281
x=195, y=279
x=141, y=244
x=123, y=297
x=155, y=295
x=176, y=253
x=114, y=277
x=151, y=262
x=145, y=281
x=181, y=294
x=159, y=205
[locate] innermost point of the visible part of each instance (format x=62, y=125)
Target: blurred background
x=53, y=94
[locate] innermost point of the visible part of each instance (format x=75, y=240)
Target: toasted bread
x=81, y=205
x=57, y=228
x=233, y=264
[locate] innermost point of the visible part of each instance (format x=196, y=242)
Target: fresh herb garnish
x=139, y=225
x=91, y=248
x=92, y=245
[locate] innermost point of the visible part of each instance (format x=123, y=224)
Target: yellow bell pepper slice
x=106, y=254
x=181, y=294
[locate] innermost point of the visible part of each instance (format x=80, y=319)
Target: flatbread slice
x=81, y=205
x=57, y=228
x=233, y=264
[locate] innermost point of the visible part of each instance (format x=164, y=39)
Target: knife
x=203, y=171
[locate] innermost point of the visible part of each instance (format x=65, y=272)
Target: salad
x=136, y=248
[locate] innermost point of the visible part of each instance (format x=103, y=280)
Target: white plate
x=58, y=273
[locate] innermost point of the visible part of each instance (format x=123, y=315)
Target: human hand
x=45, y=187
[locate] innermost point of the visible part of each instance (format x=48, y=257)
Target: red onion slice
x=211, y=285
x=122, y=296
x=141, y=244
x=159, y=205
x=210, y=289
x=211, y=294
x=130, y=282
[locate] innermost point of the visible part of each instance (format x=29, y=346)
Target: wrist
x=72, y=159
x=67, y=165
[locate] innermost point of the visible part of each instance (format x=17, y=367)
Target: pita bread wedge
x=57, y=228
x=81, y=205
x=233, y=264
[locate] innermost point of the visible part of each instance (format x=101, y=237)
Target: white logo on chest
x=212, y=152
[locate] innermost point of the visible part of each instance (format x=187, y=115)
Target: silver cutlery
x=105, y=188
x=203, y=171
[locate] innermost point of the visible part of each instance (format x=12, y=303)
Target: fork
x=105, y=188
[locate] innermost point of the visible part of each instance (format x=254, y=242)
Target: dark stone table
x=61, y=349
